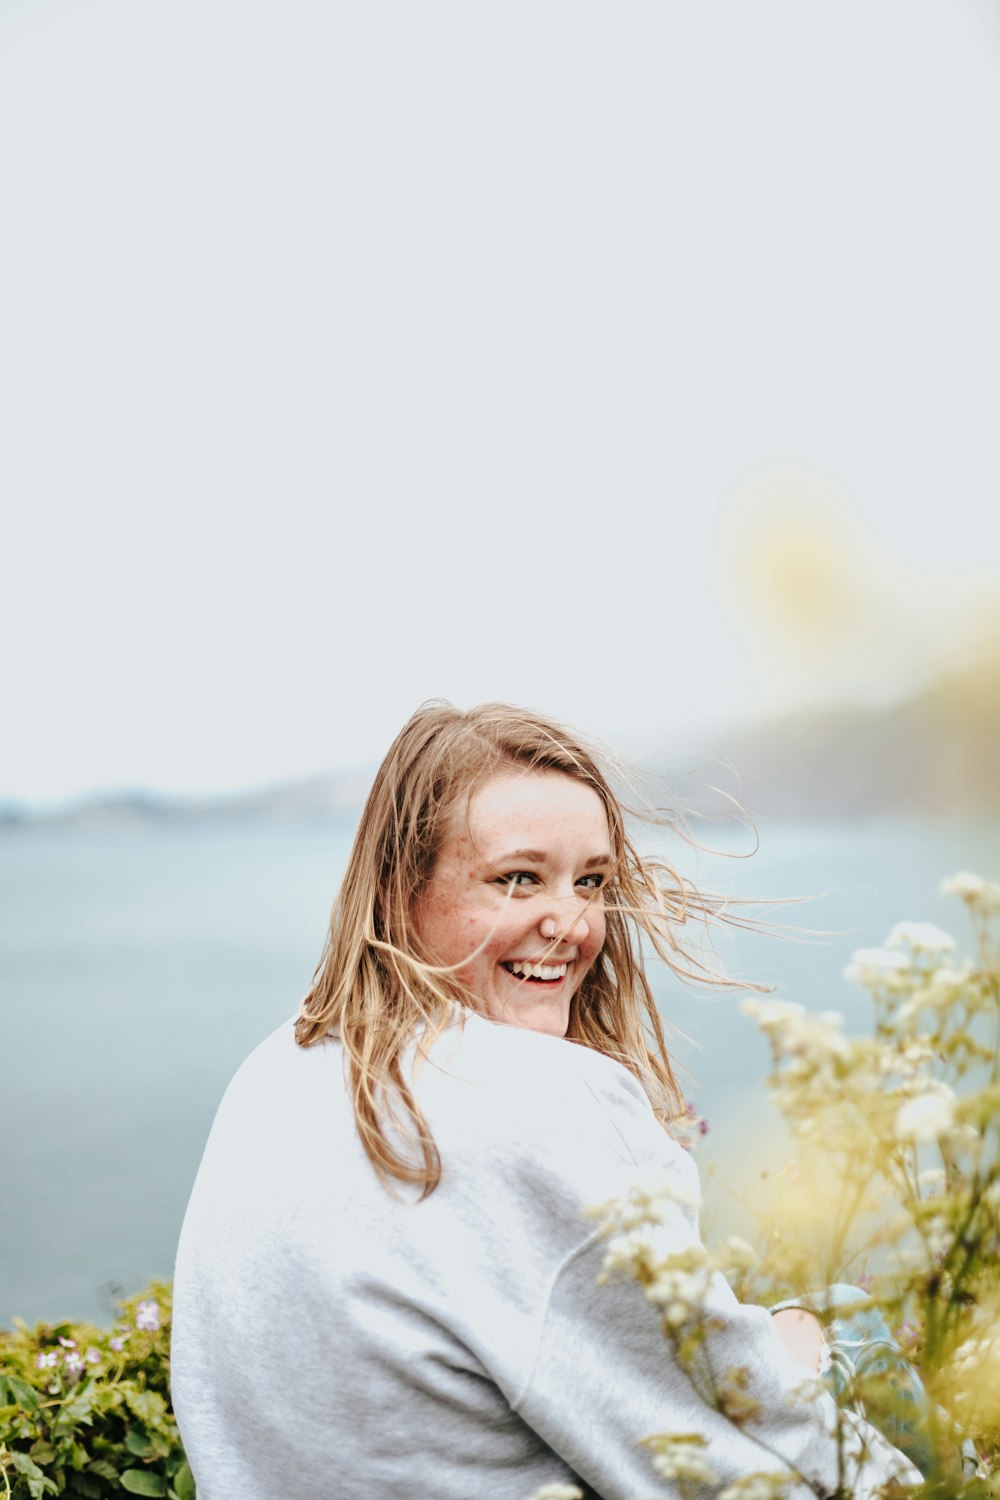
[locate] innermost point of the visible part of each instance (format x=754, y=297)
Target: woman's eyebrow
x=538, y=857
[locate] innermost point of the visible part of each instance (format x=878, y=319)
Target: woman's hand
x=802, y=1335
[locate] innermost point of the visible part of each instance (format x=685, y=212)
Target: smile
x=548, y=973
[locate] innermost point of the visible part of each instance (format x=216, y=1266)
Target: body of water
x=139, y=967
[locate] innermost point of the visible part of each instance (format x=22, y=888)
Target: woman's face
x=515, y=896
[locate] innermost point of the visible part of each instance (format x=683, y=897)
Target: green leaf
x=22, y=1392
x=79, y=1409
x=137, y=1442
x=38, y=1485
x=148, y=1406
x=103, y=1469
x=184, y=1482
x=38, y=1488
x=24, y=1465
x=143, y=1482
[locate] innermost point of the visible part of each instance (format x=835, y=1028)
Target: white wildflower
x=648, y=1202
x=795, y=1033
x=926, y=1117
x=629, y=1253
x=735, y=1254
x=679, y=1294
x=651, y=1203
x=905, y=1061
x=759, y=1487
x=922, y=937
x=942, y=988
x=680, y=1456
x=981, y=895
x=938, y=1235
x=948, y=978
x=819, y=1036
x=932, y=1180
x=678, y=1284
x=684, y=1465
x=771, y=1015
x=871, y=966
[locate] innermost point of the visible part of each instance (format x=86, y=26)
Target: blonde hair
x=375, y=987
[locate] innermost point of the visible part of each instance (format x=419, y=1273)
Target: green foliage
x=85, y=1412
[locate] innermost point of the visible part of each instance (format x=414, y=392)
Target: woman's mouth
x=535, y=973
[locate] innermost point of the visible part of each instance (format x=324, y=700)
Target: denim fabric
x=861, y=1352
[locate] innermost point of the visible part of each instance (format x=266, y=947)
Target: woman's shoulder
x=524, y=1086
x=495, y=1055
x=280, y=1081
x=279, y=1055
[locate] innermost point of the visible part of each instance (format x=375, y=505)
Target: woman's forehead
x=543, y=804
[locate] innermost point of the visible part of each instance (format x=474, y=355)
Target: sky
x=636, y=363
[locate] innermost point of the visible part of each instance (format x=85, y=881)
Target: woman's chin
x=550, y=1017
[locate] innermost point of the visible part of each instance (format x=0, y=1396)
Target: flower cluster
x=901, y=1131
x=67, y=1356
x=982, y=897
x=896, y=1187
x=681, y=1457
x=676, y=1280
x=759, y=1487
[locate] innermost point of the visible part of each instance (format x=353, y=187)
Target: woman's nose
x=554, y=930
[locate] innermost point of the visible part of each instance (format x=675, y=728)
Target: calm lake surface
x=139, y=967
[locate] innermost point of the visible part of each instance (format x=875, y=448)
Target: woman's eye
x=591, y=882
x=517, y=877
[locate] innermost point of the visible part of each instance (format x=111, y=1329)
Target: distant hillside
x=937, y=755
x=332, y=798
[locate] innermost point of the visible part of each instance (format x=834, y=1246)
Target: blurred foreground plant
x=896, y=1188
x=86, y=1412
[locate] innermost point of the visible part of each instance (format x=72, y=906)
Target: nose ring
x=548, y=928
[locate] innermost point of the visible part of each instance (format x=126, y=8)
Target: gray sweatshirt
x=334, y=1339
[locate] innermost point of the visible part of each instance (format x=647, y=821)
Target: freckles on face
x=513, y=905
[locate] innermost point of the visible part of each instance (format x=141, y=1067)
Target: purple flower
x=147, y=1316
x=67, y=1343
x=47, y=1359
x=117, y=1344
x=93, y=1355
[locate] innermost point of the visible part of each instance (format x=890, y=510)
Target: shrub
x=86, y=1413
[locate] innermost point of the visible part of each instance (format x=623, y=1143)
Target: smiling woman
x=387, y=1278
x=521, y=927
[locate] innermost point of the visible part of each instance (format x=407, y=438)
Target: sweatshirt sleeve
x=605, y=1376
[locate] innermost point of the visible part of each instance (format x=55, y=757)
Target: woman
x=387, y=1282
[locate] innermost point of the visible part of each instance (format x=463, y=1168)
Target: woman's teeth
x=548, y=972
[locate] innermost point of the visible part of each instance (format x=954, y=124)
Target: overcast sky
x=637, y=362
